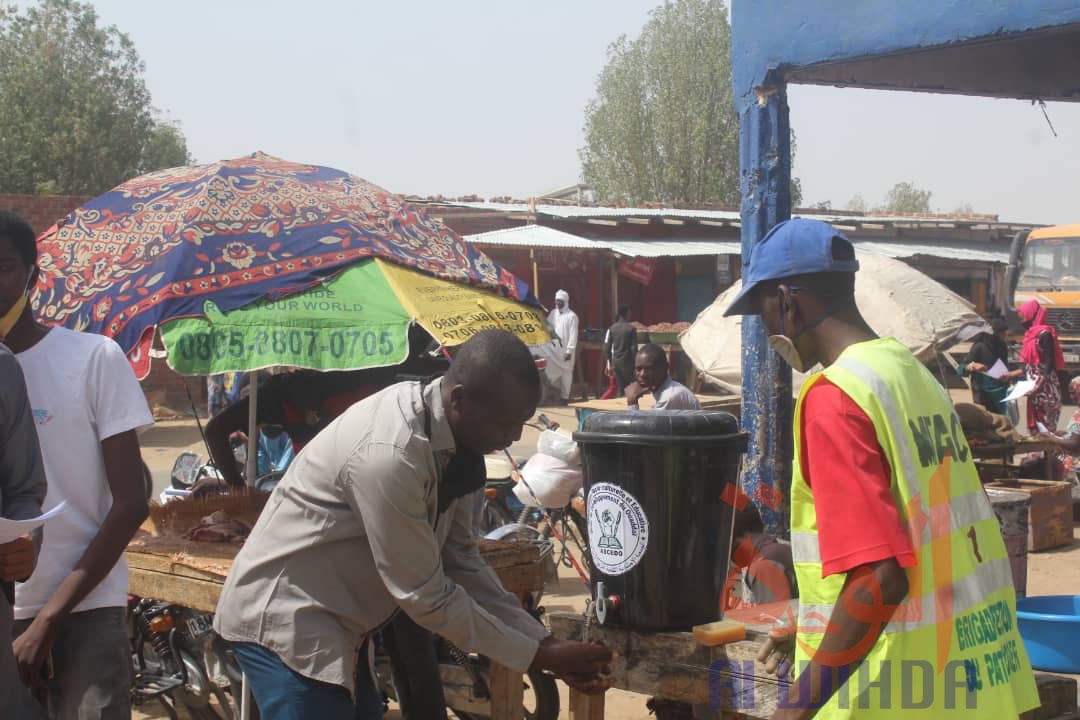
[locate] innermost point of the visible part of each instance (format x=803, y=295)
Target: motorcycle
x=180, y=662
x=503, y=507
x=189, y=468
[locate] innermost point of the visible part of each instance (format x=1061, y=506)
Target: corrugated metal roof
x=974, y=251
x=733, y=216
x=534, y=236
x=540, y=236
x=574, y=211
x=673, y=248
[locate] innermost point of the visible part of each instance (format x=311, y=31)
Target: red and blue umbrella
x=158, y=247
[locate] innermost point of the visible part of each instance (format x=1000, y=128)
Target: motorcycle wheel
x=541, y=699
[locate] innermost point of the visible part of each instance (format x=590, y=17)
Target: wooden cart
x=673, y=666
x=997, y=461
x=726, y=678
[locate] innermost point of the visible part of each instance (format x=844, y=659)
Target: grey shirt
x=22, y=491
x=352, y=533
x=673, y=395
x=22, y=474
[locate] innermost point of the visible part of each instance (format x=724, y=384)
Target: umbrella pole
x=195, y=413
x=253, y=429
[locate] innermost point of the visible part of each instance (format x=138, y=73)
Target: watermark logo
x=871, y=685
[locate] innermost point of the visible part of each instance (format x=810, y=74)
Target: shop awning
x=540, y=236
x=970, y=251
x=673, y=248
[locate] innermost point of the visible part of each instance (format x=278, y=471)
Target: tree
x=77, y=116
x=165, y=148
x=857, y=203
x=905, y=198
x=795, y=186
x=662, y=126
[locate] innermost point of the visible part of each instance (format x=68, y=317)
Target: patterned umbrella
x=159, y=246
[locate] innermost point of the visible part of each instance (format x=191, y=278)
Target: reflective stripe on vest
x=962, y=570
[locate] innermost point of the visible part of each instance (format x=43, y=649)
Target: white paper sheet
x=1022, y=388
x=12, y=529
x=999, y=370
x=1041, y=428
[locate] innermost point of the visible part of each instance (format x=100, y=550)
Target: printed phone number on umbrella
x=464, y=333
x=295, y=343
x=505, y=321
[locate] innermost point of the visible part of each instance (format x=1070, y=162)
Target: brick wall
x=41, y=211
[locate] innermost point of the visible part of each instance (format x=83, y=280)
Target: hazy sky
x=488, y=97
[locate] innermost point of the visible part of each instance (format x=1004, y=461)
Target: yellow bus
x=1044, y=265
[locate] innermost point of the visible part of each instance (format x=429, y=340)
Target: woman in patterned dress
x=1043, y=359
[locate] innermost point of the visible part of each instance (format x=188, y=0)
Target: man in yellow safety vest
x=907, y=606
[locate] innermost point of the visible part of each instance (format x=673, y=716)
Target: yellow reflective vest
x=953, y=646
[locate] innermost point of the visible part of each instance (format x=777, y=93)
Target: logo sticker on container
x=618, y=529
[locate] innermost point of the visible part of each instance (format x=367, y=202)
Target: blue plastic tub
x=1050, y=627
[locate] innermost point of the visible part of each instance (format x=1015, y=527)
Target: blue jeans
x=281, y=693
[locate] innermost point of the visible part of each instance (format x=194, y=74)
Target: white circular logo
x=618, y=529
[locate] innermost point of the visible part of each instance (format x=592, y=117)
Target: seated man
x=376, y=515
x=652, y=375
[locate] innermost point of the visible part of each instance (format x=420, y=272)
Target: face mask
x=12, y=315
x=784, y=346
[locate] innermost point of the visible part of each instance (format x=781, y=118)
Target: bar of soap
x=719, y=632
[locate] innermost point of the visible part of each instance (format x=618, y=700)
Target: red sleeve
x=340, y=402
x=858, y=520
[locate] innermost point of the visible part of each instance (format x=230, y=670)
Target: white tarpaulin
x=896, y=299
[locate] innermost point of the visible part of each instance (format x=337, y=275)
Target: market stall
x=191, y=573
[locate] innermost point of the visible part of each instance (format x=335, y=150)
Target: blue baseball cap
x=799, y=246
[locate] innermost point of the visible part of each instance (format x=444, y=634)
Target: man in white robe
x=564, y=324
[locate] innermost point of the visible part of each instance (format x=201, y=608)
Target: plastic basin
x=1050, y=627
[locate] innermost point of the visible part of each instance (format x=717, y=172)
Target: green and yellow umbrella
x=357, y=319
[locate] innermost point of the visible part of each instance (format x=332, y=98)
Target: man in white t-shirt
x=87, y=406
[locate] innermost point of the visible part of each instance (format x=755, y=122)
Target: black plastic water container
x=659, y=532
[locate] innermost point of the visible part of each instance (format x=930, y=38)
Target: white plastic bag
x=559, y=446
x=552, y=480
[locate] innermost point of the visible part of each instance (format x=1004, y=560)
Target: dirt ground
x=1054, y=572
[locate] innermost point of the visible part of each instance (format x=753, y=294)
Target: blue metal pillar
x=765, y=182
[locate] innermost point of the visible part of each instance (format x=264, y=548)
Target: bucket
x=1011, y=509
x=659, y=533
x=1050, y=627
